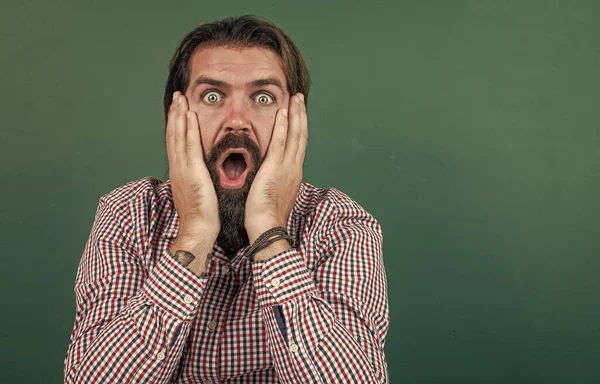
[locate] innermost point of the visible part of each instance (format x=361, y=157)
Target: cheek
x=207, y=131
x=264, y=131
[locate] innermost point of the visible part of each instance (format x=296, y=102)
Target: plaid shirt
x=317, y=313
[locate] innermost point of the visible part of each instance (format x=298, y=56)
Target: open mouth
x=233, y=168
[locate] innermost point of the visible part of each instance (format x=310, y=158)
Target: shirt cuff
x=174, y=288
x=281, y=278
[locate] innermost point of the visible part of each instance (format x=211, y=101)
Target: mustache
x=235, y=141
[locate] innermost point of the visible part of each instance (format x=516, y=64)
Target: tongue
x=234, y=166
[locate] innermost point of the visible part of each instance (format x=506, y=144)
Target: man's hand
x=193, y=192
x=275, y=187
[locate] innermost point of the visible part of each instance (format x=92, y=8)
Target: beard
x=232, y=202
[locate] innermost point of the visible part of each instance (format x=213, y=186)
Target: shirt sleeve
x=131, y=322
x=328, y=325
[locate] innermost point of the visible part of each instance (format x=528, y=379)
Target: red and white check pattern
x=317, y=313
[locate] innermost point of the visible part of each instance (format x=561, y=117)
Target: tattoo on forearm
x=184, y=257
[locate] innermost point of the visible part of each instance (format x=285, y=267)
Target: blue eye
x=263, y=98
x=212, y=97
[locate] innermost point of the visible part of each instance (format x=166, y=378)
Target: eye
x=212, y=97
x=264, y=98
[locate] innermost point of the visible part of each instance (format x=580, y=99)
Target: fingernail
x=284, y=112
x=174, y=93
x=301, y=97
x=179, y=100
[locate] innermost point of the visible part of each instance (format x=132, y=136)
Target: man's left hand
x=275, y=187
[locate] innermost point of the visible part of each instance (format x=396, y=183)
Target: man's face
x=236, y=94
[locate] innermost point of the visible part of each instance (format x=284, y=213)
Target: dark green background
x=469, y=129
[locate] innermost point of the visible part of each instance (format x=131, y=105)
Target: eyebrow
x=253, y=84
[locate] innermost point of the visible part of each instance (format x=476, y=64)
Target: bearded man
x=234, y=270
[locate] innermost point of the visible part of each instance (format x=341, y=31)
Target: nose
x=237, y=126
x=236, y=120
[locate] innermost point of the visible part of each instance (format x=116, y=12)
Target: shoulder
x=311, y=199
x=136, y=212
x=145, y=194
x=136, y=189
x=137, y=203
x=331, y=208
x=335, y=231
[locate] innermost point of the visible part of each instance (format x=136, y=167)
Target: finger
x=171, y=128
x=279, y=135
x=173, y=100
x=293, y=138
x=194, y=139
x=303, y=142
x=181, y=128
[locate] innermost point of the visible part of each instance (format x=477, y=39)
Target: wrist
x=197, y=252
x=272, y=249
x=257, y=230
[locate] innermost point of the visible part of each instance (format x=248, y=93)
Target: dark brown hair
x=241, y=32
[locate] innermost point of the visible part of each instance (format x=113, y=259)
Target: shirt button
x=294, y=348
x=225, y=269
x=160, y=356
x=275, y=282
x=188, y=299
x=212, y=325
x=208, y=381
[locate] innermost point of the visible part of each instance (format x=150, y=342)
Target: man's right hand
x=193, y=192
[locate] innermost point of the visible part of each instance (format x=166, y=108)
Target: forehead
x=236, y=66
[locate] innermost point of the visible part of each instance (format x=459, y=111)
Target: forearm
x=309, y=326
x=114, y=342
x=196, y=253
x=313, y=335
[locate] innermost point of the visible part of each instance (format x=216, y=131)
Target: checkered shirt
x=316, y=313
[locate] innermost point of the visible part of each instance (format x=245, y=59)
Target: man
x=233, y=270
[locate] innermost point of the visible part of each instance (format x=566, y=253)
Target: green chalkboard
x=469, y=129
